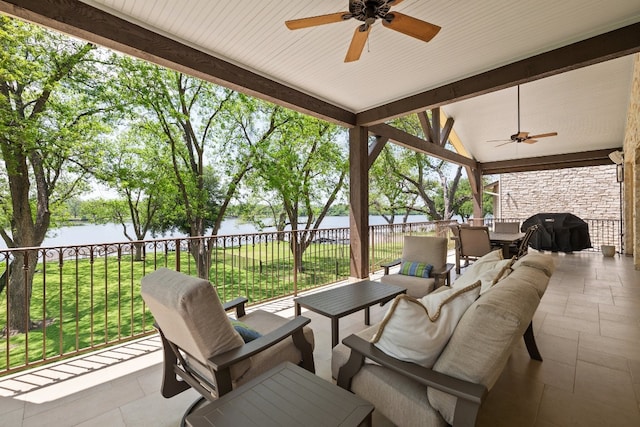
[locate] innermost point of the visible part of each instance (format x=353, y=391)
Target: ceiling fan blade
x=357, y=43
x=504, y=143
x=499, y=140
x=530, y=141
x=410, y=26
x=544, y=135
x=394, y=2
x=296, y=24
x=522, y=135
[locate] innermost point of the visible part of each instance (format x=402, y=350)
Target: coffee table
x=286, y=395
x=339, y=302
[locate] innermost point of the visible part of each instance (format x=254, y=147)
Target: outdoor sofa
x=453, y=389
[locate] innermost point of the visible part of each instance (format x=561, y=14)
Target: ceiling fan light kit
x=368, y=11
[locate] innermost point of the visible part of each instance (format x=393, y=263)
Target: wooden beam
x=417, y=144
x=561, y=161
x=359, y=202
x=425, y=123
x=614, y=44
x=375, y=148
x=80, y=20
x=446, y=131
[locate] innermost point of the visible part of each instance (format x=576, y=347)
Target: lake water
x=112, y=233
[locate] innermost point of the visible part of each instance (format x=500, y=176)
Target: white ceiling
x=587, y=107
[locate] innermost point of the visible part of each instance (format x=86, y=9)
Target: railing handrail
x=86, y=297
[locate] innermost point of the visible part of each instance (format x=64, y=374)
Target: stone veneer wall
x=588, y=192
x=632, y=169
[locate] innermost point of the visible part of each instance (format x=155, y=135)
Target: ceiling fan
x=368, y=11
x=520, y=136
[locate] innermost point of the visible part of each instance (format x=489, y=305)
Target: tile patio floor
x=587, y=328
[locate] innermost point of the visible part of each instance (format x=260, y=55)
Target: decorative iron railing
x=87, y=297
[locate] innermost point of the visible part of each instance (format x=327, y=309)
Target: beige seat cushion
x=416, y=286
x=395, y=396
x=285, y=351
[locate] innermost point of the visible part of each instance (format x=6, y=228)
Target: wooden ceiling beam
x=614, y=44
x=80, y=20
x=562, y=161
x=418, y=144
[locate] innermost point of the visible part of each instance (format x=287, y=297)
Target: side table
x=286, y=395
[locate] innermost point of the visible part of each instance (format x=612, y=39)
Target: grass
x=86, y=303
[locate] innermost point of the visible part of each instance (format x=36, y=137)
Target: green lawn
x=96, y=303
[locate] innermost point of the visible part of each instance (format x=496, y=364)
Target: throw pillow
x=500, y=270
x=417, y=330
x=418, y=269
x=477, y=269
x=247, y=333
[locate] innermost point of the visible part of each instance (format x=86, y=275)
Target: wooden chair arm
x=231, y=357
x=388, y=265
x=470, y=395
x=237, y=304
x=443, y=273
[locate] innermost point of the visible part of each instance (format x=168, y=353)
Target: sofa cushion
x=416, y=330
x=488, y=270
x=539, y=261
x=414, y=268
x=484, y=338
x=395, y=396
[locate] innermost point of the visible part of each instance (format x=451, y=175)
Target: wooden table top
x=338, y=302
x=286, y=395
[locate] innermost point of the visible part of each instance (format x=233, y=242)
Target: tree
x=424, y=177
x=387, y=196
x=140, y=172
x=54, y=107
x=209, y=134
x=304, y=169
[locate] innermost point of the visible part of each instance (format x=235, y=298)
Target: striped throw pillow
x=418, y=269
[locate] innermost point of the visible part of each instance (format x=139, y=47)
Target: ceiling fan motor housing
x=368, y=11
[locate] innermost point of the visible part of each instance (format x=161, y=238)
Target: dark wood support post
x=359, y=201
x=475, y=181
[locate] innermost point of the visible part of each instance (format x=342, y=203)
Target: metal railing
x=87, y=297
x=601, y=231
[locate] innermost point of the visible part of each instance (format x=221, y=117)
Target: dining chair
x=474, y=243
x=506, y=227
x=523, y=247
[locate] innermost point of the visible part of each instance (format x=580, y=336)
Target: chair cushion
x=417, y=330
x=416, y=287
x=425, y=249
x=189, y=313
x=418, y=269
x=284, y=351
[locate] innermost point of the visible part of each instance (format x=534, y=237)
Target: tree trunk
x=201, y=252
x=138, y=251
x=19, y=291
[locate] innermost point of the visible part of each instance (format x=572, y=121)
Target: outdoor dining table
x=505, y=240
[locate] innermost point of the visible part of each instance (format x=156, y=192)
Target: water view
x=82, y=234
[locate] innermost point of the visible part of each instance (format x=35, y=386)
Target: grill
x=559, y=232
